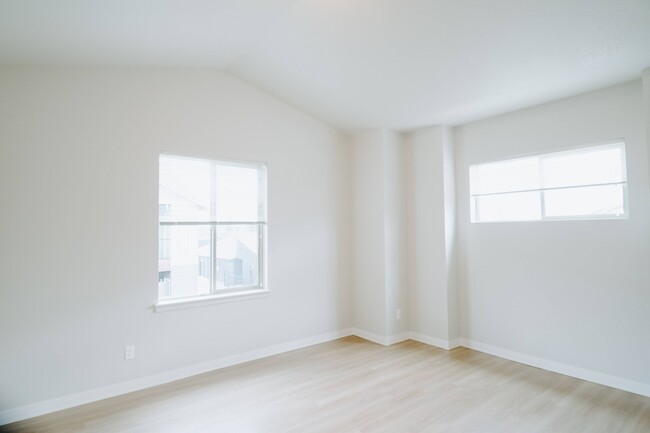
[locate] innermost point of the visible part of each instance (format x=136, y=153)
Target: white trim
x=201, y=301
x=558, y=367
x=370, y=336
x=72, y=400
x=398, y=338
x=410, y=335
x=454, y=343
x=628, y=385
x=432, y=341
x=380, y=339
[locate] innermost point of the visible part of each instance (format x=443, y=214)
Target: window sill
x=201, y=301
x=565, y=218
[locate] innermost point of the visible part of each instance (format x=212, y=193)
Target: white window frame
x=619, y=144
x=222, y=295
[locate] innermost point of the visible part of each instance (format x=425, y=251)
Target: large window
x=587, y=183
x=212, y=221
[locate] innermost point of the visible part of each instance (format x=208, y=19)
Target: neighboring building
x=184, y=252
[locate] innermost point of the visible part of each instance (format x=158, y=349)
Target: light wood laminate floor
x=351, y=385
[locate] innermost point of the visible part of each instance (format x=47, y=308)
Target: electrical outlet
x=398, y=314
x=129, y=352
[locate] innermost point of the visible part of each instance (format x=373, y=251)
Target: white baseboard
x=381, y=339
x=68, y=401
x=433, y=341
x=397, y=338
x=409, y=335
x=454, y=343
x=545, y=364
x=558, y=367
x=72, y=400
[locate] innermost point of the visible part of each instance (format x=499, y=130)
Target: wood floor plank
x=354, y=386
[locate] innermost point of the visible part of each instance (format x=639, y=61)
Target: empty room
x=354, y=216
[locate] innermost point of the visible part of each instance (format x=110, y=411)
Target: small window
x=588, y=183
x=212, y=222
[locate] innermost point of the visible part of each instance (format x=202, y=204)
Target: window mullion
x=260, y=254
x=528, y=190
x=213, y=227
x=542, y=192
x=213, y=258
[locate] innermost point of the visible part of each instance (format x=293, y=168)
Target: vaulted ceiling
x=355, y=64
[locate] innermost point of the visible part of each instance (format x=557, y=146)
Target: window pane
x=184, y=189
x=585, y=168
x=592, y=200
x=184, y=261
x=519, y=206
x=515, y=175
x=237, y=256
x=240, y=193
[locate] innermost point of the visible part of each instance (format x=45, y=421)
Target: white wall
x=449, y=202
x=395, y=230
x=78, y=224
x=431, y=231
x=379, y=240
x=574, y=292
x=368, y=241
x=646, y=104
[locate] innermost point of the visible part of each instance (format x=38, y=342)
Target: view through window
x=212, y=221
x=587, y=183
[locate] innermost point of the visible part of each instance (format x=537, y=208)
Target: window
x=212, y=222
x=587, y=183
